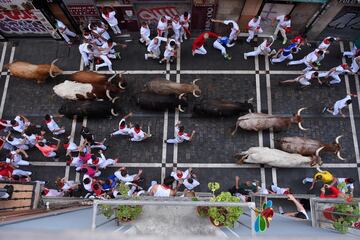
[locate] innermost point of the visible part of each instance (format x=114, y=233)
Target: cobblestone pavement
x=212, y=150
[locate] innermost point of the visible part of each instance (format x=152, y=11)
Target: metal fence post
x=95, y=208
x=252, y=206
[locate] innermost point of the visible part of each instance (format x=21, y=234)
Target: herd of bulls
x=158, y=95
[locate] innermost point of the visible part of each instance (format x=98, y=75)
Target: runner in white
x=309, y=60
x=64, y=31
x=285, y=53
x=185, y=22
x=235, y=30
x=335, y=72
x=305, y=79
x=123, y=128
x=263, y=49
x=122, y=175
x=170, y=51
x=254, y=27
x=53, y=126
x=340, y=105
x=325, y=44
x=154, y=48
x=145, y=33
x=137, y=134
x=180, y=135
x=87, y=53
x=176, y=26
x=190, y=183
x=15, y=158
x=355, y=65
x=109, y=15
x=162, y=27
x=20, y=123
x=221, y=43
x=283, y=25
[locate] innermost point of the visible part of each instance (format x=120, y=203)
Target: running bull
x=165, y=87
x=35, y=72
x=262, y=121
x=91, y=109
x=222, y=108
x=277, y=158
x=307, y=146
x=151, y=101
x=80, y=91
x=97, y=78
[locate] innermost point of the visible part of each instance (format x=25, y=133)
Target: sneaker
x=323, y=111
x=146, y=57
x=271, y=61
x=161, y=62
x=227, y=57
x=281, y=210
x=284, y=42
x=117, y=55
x=96, y=67
x=245, y=57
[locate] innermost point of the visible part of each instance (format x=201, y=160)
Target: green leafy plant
x=122, y=212
x=342, y=222
x=214, y=186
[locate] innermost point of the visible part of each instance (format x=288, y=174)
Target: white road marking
x=3, y=56
x=6, y=86
x=258, y=108
x=233, y=232
x=72, y=134
x=269, y=105
x=351, y=113
x=118, y=229
x=175, y=153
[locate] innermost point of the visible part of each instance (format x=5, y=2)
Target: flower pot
x=202, y=211
x=215, y=223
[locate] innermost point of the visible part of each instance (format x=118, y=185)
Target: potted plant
x=339, y=221
x=123, y=213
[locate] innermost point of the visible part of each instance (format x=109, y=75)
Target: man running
x=198, y=44
x=340, y=105
x=235, y=30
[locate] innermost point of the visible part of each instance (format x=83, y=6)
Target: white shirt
x=137, y=136
x=176, y=25
x=125, y=130
x=145, y=31
x=153, y=47
x=107, y=48
x=163, y=25
x=87, y=186
x=54, y=193
x=111, y=19
x=309, y=74
x=127, y=178
x=72, y=147
x=22, y=125
x=235, y=26
x=15, y=141
x=83, y=48
x=263, y=46
x=323, y=45
x=30, y=139
x=311, y=57
x=253, y=25
x=339, y=70
x=67, y=185
x=186, y=21
x=105, y=34
x=341, y=103
x=60, y=24
x=52, y=125
x=192, y=185
x=282, y=22
x=182, y=137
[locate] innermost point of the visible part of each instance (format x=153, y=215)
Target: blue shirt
x=112, y=185
x=287, y=51
x=223, y=40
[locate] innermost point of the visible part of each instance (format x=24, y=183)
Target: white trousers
x=252, y=34
x=106, y=62
x=354, y=66
x=219, y=46
x=173, y=141
x=233, y=35
x=145, y=39
x=67, y=33
x=254, y=53
x=116, y=29
x=177, y=35
x=335, y=77
x=201, y=50
x=21, y=172
x=86, y=58
x=350, y=53
x=281, y=30
x=282, y=58
x=107, y=162
x=301, y=61
x=154, y=53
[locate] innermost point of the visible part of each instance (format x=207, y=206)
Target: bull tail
x=52, y=68
x=236, y=128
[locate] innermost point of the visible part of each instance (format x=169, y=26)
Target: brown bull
x=97, y=78
x=262, y=121
x=307, y=146
x=165, y=87
x=36, y=72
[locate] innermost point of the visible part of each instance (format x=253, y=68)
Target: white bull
x=80, y=91
x=277, y=158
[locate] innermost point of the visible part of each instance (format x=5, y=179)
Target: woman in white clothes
x=109, y=15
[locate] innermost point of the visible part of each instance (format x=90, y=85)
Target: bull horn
x=250, y=100
x=195, y=95
x=114, y=99
x=193, y=82
x=52, y=67
x=301, y=127
x=181, y=96
x=108, y=94
x=114, y=113
x=338, y=138
x=318, y=150
x=180, y=108
x=112, y=77
x=300, y=110
x=120, y=86
x=339, y=156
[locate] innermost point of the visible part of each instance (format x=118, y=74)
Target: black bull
x=90, y=109
x=222, y=108
x=151, y=101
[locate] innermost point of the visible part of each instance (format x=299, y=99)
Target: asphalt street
x=211, y=153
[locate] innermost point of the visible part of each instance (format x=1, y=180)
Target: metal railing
x=321, y=205
x=172, y=202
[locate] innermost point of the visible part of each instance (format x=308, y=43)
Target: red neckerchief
x=344, y=65
x=107, y=14
x=180, y=133
x=137, y=130
x=166, y=187
x=95, y=161
x=122, y=126
x=66, y=145
x=326, y=41
x=179, y=175
x=46, y=191
x=47, y=121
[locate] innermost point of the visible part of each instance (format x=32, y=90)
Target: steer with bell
x=151, y=101
x=277, y=158
x=307, y=146
x=262, y=121
x=97, y=78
